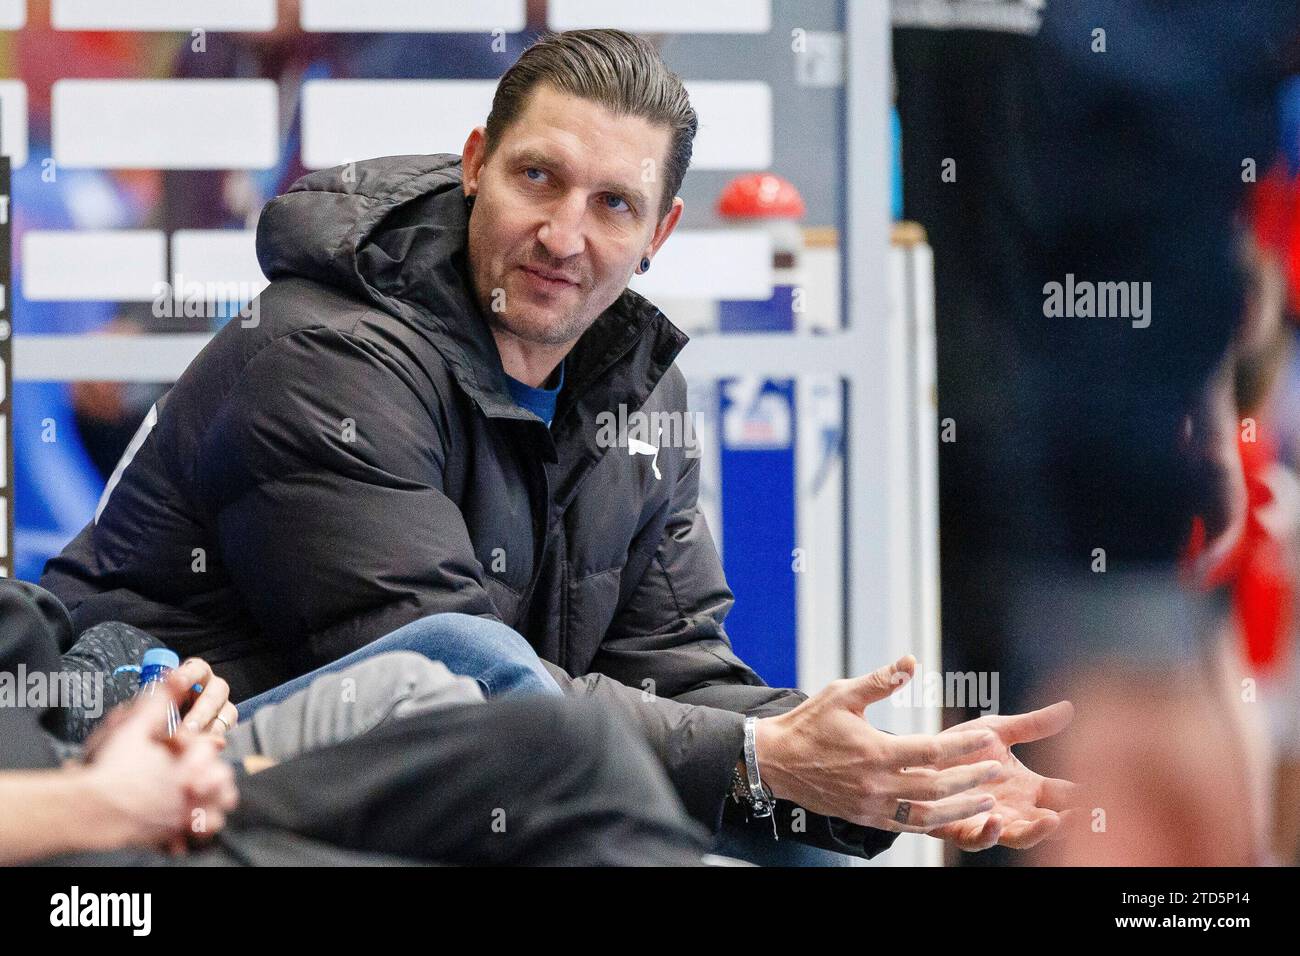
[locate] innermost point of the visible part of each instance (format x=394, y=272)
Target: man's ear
x=472, y=158
x=667, y=224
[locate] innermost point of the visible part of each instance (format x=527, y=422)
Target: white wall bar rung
x=165, y=124
x=163, y=15
x=423, y=16
x=109, y=358
x=13, y=121
x=710, y=264
x=886, y=560
x=93, y=265
x=347, y=120
x=162, y=358
x=662, y=16
x=13, y=14
x=224, y=260
x=735, y=124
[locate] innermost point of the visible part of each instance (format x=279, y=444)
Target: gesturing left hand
x=1029, y=807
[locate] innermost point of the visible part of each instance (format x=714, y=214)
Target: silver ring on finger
x=223, y=723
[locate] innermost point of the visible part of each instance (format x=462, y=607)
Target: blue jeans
x=490, y=652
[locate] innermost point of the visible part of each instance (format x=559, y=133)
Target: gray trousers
x=348, y=703
x=335, y=707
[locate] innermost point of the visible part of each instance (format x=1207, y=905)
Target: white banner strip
x=422, y=16
x=347, y=120
x=163, y=14
x=662, y=16
x=165, y=124
x=110, y=265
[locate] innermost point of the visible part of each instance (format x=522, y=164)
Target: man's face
x=565, y=209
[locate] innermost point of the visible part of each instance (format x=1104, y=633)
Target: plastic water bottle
x=158, y=662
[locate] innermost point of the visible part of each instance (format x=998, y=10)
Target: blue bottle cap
x=160, y=656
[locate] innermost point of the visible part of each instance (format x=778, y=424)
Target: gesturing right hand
x=825, y=756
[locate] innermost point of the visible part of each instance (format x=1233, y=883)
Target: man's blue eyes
x=617, y=199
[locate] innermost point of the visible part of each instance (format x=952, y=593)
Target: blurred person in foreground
x=1088, y=288
x=381, y=762
x=1261, y=663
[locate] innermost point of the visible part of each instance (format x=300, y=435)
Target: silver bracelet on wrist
x=750, y=788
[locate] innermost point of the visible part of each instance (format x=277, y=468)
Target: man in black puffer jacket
x=422, y=416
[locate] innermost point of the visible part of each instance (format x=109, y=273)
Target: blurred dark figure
x=1112, y=145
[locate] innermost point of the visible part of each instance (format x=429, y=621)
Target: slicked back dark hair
x=619, y=70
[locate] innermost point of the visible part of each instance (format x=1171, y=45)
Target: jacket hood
x=393, y=232
x=373, y=229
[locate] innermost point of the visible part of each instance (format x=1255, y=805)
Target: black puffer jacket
x=354, y=461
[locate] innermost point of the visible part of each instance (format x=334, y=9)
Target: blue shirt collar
x=539, y=401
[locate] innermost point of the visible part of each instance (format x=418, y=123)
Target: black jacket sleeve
x=669, y=637
x=34, y=628
x=323, y=469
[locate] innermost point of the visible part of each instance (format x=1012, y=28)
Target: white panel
x=4, y=536
x=880, y=501
x=220, y=256
x=13, y=14
x=662, y=16
x=819, y=522
x=710, y=264
x=819, y=503
x=165, y=124
x=925, y=437
x=121, y=265
x=702, y=402
x=105, y=358
x=13, y=121
x=4, y=472
x=163, y=14
x=433, y=16
x=347, y=120
x=735, y=125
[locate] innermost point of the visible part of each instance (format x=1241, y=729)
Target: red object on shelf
x=760, y=196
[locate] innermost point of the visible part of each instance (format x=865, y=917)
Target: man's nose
x=562, y=232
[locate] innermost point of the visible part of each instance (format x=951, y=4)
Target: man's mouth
x=549, y=279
